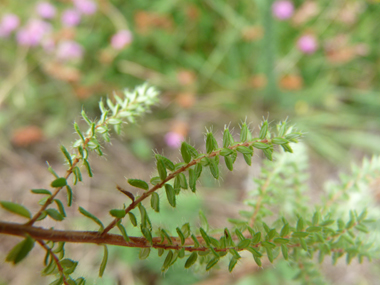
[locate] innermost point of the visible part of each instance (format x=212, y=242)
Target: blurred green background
x=216, y=62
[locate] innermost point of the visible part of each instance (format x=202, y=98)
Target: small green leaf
x=244, y=244
x=192, y=151
x=192, y=180
x=212, y=263
x=104, y=261
x=144, y=252
x=257, y=260
x=260, y=145
x=180, y=235
x=138, y=184
x=167, y=236
x=183, y=181
x=244, y=150
x=299, y=234
x=279, y=141
x=191, y=260
x=170, y=194
x=232, y=264
x=54, y=214
x=229, y=163
x=211, y=143
x=196, y=242
x=117, y=213
x=59, y=182
x=255, y=252
x=155, y=180
x=133, y=219
x=155, y=202
x=263, y=130
x=147, y=234
x=168, y=260
x=284, y=250
x=244, y=132
x=268, y=244
x=20, y=250
x=41, y=191
x=123, y=231
x=256, y=238
x=91, y=216
x=248, y=158
x=226, y=152
x=327, y=223
x=227, y=138
x=270, y=254
x=185, y=152
x=214, y=168
x=67, y=155
x=161, y=169
x=313, y=229
x=286, y=147
x=16, y=209
x=88, y=167
x=281, y=240
x=268, y=153
x=69, y=195
x=168, y=163
x=300, y=225
x=205, y=236
x=60, y=206
x=198, y=170
x=185, y=229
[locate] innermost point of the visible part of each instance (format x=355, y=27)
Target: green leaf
x=165, y=234
x=211, y=143
x=281, y=240
x=20, y=250
x=299, y=234
x=279, y=141
x=270, y=254
x=191, y=260
x=268, y=153
x=146, y=233
x=104, y=261
x=168, y=163
x=51, y=170
x=286, y=147
x=214, y=168
x=244, y=244
x=16, y=209
x=244, y=150
x=123, y=231
x=226, y=152
x=58, y=281
x=327, y=223
x=60, y=206
x=284, y=250
x=185, y=229
x=180, y=235
x=92, y=217
x=68, y=265
x=133, y=219
x=155, y=180
x=271, y=234
x=155, y=202
x=198, y=170
x=144, y=252
x=41, y=191
x=268, y=244
x=183, y=181
x=244, y=132
x=227, y=138
x=185, y=152
x=205, y=236
x=88, y=167
x=168, y=260
x=118, y=213
x=192, y=180
x=67, y=155
x=257, y=260
x=313, y=229
x=232, y=264
x=255, y=252
x=212, y=263
x=248, y=158
x=229, y=163
x=161, y=169
x=59, y=182
x=138, y=184
x=300, y=225
x=170, y=194
x=256, y=238
x=196, y=242
x=260, y=145
x=54, y=214
x=193, y=152
x=263, y=130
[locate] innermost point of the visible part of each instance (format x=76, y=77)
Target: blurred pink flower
x=173, y=139
x=67, y=50
x=45, y=10
x=33, y=33
x=48, y=45
x=70, y=17
x=282, y=9
x=307, y=44
x=86, y=7
x=8, y=24
x=121, y=39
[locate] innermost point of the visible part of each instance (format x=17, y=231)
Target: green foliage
x=296, y=232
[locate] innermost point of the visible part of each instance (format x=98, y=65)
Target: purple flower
x=45, y=10
x=70, y=18
x=33, y=33
x=121, y=39
x=173, y=139
x=8, y=24
x=282, y=9
x=86, y=7
x=69, y=50
x=307, y=44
